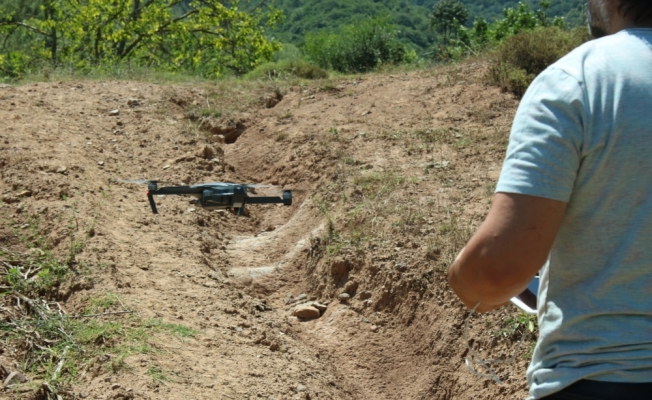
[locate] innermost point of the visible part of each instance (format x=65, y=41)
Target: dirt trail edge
x=391, y=173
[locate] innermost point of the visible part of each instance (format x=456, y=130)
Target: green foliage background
x=360, y=47
x=203, y=37
x=411, y=17
x=211, y=38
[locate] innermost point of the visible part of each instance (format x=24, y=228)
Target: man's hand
x=508, y=249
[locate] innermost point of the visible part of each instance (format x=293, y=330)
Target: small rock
x=10, y=199
x=144, y=267
x=115, y=386
x=206, y=152
x=302, y=297
x=374, y=328
x=433, y=254
x=166, y=166
x=306, y=312
x=114, y=113
x=367, y=303
x=301, y=388
x=319, y=306
x=365, y=295
x=351, y=286
x=133, y=102
x=344, y=297
x=24, y=193
x=100, y=163
x=61, y=170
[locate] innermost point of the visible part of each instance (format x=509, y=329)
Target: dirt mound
x=390, y=172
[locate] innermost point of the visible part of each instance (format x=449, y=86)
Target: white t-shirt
x=583, y=135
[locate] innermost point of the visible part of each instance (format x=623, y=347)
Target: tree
x=208, y=37
x=447, y=15
x=360, y=47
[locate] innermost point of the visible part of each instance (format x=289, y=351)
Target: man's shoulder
x=605, y=54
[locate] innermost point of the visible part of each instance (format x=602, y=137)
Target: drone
x=215, y=195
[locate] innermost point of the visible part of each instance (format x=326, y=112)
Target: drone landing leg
x=152, y=204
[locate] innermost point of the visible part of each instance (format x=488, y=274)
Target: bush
x=288, y=52
x=517, y=61
x=360, y=47
x=288, y=68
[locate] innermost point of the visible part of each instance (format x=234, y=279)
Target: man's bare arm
x=508, y=249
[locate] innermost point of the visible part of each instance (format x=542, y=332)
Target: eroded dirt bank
x=391, y=174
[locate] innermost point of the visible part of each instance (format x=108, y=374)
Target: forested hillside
x=412, y=17
x=303, y=16
x=492, y=9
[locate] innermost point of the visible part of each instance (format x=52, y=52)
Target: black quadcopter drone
x=215, y=195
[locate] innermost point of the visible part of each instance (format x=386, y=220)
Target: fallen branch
x=99, y=315
x=60, y=365
x=32, y=304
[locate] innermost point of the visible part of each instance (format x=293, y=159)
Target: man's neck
x=619, y=23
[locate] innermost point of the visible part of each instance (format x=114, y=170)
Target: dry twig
x=101, y=314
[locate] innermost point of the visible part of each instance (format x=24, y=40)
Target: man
x=574, y=200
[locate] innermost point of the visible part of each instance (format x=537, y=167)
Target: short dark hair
x=639, y=10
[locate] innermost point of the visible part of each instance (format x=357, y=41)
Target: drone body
x=215, y=195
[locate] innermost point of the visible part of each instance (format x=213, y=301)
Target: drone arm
x=178, y=190
x=286, y=199
x=264, y=200
x=151, y=202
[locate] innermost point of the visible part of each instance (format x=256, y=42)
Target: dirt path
x=400, y=157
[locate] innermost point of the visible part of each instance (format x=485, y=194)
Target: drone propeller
x=249, y=185
x=142, y=181
x=281, y=190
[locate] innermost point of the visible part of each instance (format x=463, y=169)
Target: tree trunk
x=51, y=39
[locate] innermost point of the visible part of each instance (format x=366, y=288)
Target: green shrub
x=288, y=68
x=517, y=61
x=288, y=52
x=360, y=47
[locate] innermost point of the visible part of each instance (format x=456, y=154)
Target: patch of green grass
x=328, y=86
x=157, y=374
x=180, y=331
x=517, y=324
x=48, y=344
x=103, y=302
x=103, y=72
x=210, y=113
x=374, y=184
x=286, y=69
x=350, y=161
